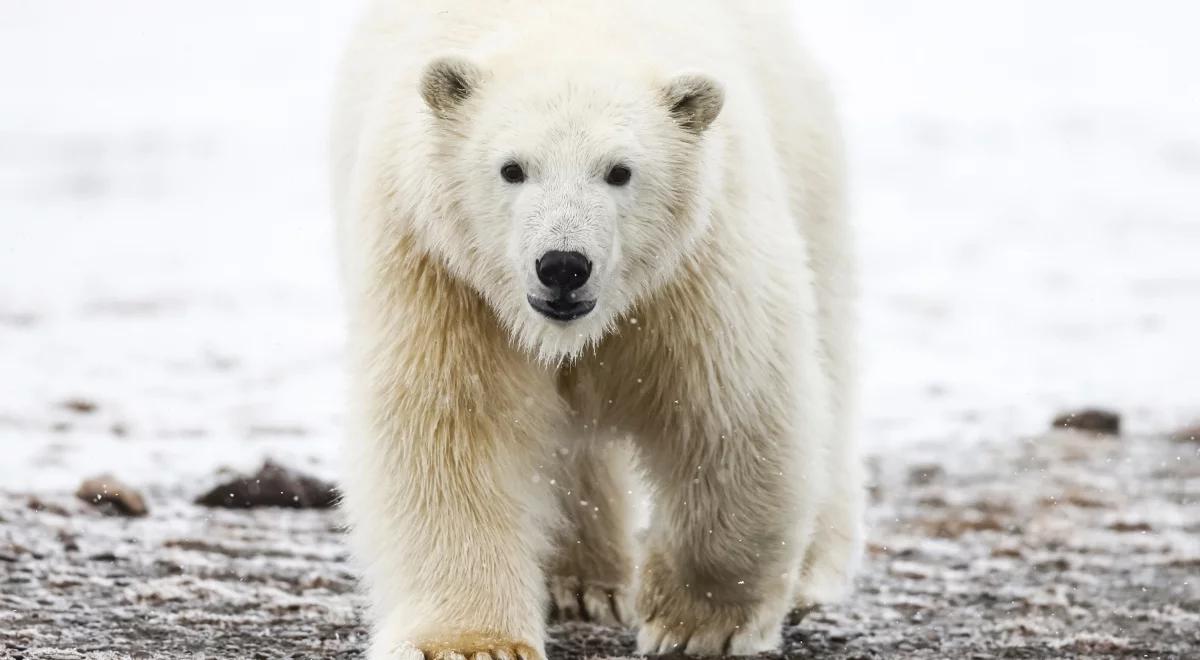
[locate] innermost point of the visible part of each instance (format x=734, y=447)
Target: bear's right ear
x=447, y=83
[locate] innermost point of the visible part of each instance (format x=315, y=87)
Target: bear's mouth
x=562, y=309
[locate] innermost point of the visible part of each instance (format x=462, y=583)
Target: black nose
x=564, y=271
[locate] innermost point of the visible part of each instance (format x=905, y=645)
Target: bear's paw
x=573, y=599
x=465, y=646
x=729, y=633
x=686, y=618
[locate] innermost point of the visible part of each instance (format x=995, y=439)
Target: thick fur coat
x=491, y=446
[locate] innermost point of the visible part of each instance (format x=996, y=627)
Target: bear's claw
x=467, y=648
x=575, y=600
x=720, y=637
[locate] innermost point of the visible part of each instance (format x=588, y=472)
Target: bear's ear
x=447, y=83
x=694, y=101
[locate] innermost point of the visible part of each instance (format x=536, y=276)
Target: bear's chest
x=635, y=384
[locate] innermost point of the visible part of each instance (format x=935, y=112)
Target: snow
x=1026, y=188
x=1027, y=195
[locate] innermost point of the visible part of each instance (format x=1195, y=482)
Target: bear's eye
x=619, y=175
x=512, y=173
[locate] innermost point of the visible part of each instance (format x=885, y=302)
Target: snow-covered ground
x=1027, y=189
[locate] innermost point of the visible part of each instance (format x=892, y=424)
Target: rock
x=112, y=496
x=909, y=570
x=37, y=504
x=273, y=485
x=1189, y=434
x=1007, y=552
x=1091, y=420
x=81, y=406
x=1128, y=527
x=70, y=542
x=920, y=475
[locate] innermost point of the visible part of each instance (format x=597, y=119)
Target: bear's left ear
x=447, y=83
x=694, y=101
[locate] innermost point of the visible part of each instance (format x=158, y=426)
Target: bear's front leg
x=729, y=517
x=449, y=516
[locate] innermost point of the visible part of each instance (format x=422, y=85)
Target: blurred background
x=1026, y=187
x=1026, y=182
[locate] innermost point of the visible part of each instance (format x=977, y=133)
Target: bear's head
x=567, y=195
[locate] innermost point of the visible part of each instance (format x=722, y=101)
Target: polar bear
x=577, y=237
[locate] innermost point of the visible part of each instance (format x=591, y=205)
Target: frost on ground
x=1026, y=179
x=1063, y=545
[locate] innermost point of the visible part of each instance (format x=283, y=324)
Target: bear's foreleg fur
x=447, y=511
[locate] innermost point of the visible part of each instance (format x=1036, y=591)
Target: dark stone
x=1134, y=527
x=81, y=406
x=1091, y=420
x=920, y=475
x=41, y=506
x=112, y=496
x=273, y=486
x=1189, y=434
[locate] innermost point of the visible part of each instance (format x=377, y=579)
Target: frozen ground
x=1028, y=196
x=1066, y=546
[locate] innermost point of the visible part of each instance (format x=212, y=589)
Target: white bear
x=576, y=235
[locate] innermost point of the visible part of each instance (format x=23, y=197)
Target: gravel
x=1065, y=545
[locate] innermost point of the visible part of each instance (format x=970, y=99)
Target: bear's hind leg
x=832, y=558
x=591, y=572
